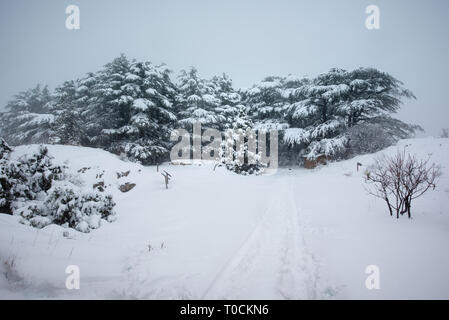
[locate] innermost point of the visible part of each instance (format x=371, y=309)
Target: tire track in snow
x=299, y=273
x=273, y=262
x=237, y=256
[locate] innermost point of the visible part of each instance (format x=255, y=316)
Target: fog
x=246, y=39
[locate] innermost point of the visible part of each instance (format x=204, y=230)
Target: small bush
x=68, y=205
x=236, y=154
x=41, y=193
x=400, y=179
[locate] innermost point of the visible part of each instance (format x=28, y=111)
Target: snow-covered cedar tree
x=238, y=154
x=68, y=125
x=325, y=107
x=42, y=193
x=152, y=117
x=229, y=101
x=267, y=102
x=212, y=103
x=112, y=103
x=367, y=138
x=139, y=97
x=89, y=112
x=317, y=124
x=197, y=101
x=27, y=118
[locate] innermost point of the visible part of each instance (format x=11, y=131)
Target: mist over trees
x=131, y=107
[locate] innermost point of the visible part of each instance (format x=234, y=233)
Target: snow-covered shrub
x=41, y=193
x=367, y=138
x=13, y=180
x=145, y=152
x=26, y=179
x=69, y=205
x=236, y=154
x=401, y=178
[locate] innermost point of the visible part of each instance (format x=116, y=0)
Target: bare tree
x=400, y=179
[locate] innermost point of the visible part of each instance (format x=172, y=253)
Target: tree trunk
x=389, y=206
x=409, y=206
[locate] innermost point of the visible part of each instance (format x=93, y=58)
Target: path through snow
x=273, y=262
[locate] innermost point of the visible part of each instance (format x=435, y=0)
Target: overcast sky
x=246, y=39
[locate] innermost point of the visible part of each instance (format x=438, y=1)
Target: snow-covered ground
x=297, y=234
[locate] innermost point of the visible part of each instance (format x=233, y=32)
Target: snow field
x=298, y=234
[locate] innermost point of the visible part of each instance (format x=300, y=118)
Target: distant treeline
x=130, y=107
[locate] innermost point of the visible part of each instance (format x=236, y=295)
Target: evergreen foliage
x=131, y=107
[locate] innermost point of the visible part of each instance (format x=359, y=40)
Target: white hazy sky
x=248, y=39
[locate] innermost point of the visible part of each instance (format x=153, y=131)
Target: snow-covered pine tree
x=133, y=108
x=229, y=98
x=316, y=124
x=133, y=105
x=68, y=125
x=197, y=103
x=196, y=100
x=372, y=97
x=27, y=118
x=111, y=108
x=267, y=102
x=88, y=107
x=145, y=137
x=326, y=106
